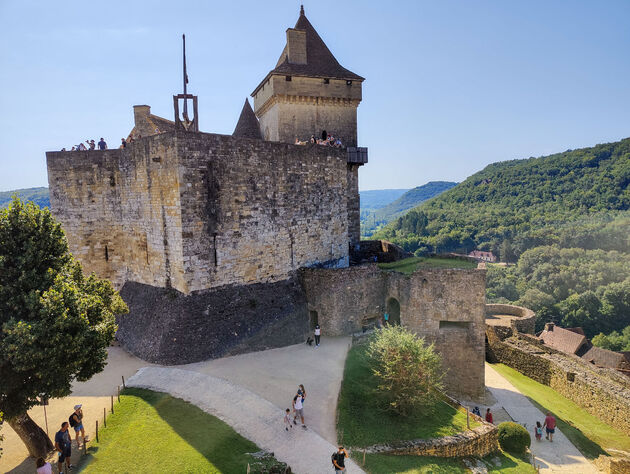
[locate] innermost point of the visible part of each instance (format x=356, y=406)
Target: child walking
x=538, y=431
x=287, y=420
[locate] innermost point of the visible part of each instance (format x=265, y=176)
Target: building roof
x=562, y=339
x=605, y=358
x=320, y=62
x=247, y=125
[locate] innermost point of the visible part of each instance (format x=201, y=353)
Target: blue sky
x=451, y=86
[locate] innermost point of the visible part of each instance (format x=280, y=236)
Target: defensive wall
x=445, y=306
x=604, y=393
x=520, y=319
x=193, y=211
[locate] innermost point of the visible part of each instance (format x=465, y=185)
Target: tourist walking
x=287, y=420
x=63, y=444
x=43, y=467
x=76, y=421
x=538, y=431
x=476, y=412
x=338, y=459
x=489, y=418
x=102, y=145
x=318, y=333
x=298, y=409
x=550, y=426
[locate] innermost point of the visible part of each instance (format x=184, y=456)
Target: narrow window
x=216, y=258
x=106, y=254
x=348, y=83
x=326, y=81
x=287, y=78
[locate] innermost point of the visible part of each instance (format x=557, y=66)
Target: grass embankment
x=361, y=423
x=154, y=432
x=411, y=264
x=587, y=432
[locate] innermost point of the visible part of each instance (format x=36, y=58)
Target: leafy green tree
x=614, y=341
x=56, y=323
x=409, y=372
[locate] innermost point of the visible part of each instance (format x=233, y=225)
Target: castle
x=224, y=244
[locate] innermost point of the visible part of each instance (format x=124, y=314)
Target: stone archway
x=393, y=310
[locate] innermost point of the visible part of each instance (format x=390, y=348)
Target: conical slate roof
x=320, y=62
x=247, y=125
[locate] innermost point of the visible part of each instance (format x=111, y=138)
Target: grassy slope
x=361, y=423
x=411, y=264
x=589, y=434
x=154, y=432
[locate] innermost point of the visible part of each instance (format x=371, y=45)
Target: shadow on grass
x=589, y=448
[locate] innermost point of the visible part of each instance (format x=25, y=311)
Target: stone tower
x=308, y=91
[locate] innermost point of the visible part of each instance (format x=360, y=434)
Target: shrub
x=409, y=373
x=513, y=437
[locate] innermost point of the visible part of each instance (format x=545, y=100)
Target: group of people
x=326, y=140
x=102, y=144
x=298, y=409
x=549, y=425
x=63, y=443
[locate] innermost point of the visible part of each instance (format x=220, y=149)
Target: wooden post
x=112, y=400
x=364, y=457
x=97, y=431
x=123, y=379
x=119, y=394
x=467, y=418
x=105, y=417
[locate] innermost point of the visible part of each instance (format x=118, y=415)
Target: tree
x=409, y=372
x=56, y=323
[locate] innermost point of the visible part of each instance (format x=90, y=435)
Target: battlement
x=195, y=211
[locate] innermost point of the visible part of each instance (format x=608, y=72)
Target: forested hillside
x=38, y=195
x=377, y=198
x=563, y=219
x=371, y=220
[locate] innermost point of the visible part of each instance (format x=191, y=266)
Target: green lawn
x=382, y=463
x=411, y=264
x=361, y=423
x=154, y=432
x=587, y=432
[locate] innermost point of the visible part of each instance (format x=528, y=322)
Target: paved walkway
x=249, y=414
x=559, y=456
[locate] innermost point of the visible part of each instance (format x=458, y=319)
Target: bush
x=409, y=372
x=513, y=437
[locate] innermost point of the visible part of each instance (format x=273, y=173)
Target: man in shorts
x=550, y=426
x=63, y=444
x=298, y=408
x=76, y=421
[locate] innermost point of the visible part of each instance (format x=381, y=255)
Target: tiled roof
x=320, y=62
x=562, y=339
x=247, y=125
x=605, y=358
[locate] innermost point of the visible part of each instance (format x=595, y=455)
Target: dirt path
x=249, y=414
x=559, y=456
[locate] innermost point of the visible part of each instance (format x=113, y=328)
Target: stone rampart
x=445, y=306
x=525, y=318
x=479, y=442
x=602, y=392
x=194, y=211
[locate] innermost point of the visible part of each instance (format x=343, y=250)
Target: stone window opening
x=455, y=325
x=112, y=180
x=216, y=257
x=326, y=81
x=571, y=376
x=393, y=312
x=106, y=254
x=288, y=78
x=313, y=319
x=348, y=83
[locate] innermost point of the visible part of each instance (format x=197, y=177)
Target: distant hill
x=378, y=198
x=564, y=219
x=38, y=195
x=376, y=218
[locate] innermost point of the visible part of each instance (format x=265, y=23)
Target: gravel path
x=559, y=456
x=249, y=414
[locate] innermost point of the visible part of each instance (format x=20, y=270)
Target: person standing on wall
x=102, y=145
x=318, y=333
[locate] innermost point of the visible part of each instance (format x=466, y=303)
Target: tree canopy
x=56, y=323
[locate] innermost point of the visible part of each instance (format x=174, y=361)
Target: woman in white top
x=318, y=333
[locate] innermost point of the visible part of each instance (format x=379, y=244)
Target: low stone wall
x=167, y=327
x=479, y=441
x=604, y=393
x=526, y=321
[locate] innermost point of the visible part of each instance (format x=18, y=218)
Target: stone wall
x=525, y=320
x=445, y=306
x=166, y=326
x=602, y=392
x=478, y=442
x=195, y=211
